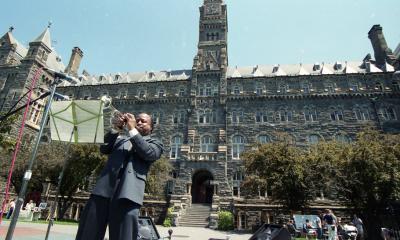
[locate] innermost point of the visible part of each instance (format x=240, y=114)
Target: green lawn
x=62, y=222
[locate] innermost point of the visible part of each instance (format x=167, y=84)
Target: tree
x=159, y=174
x=83, y=162
x=323, y=160
x=7, y=142
x=283, y=168
x=370, y=179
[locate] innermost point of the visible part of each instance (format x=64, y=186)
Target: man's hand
x=118, y=120
x=130, y=121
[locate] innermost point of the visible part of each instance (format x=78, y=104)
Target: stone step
x=196, y=216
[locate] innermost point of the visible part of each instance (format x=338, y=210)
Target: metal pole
x=51, y=221
x=28, y=172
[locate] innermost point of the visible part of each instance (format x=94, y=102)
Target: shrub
x=168, y=219
x=225, y=220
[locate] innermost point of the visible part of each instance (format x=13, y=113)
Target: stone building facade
x=206, y=116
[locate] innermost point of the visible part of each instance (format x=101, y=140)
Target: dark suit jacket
x=128, y=163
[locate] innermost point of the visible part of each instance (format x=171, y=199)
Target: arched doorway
x=202, y=190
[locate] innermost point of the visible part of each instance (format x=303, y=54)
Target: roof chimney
x=74, y=62
x=382, y=52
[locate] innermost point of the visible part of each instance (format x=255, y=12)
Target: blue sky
x=140, y=35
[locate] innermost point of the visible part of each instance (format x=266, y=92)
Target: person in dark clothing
x=119, y=191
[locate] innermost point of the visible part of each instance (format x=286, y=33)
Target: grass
x=61, y=222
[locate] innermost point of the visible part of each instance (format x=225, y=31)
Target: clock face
x=213, y=8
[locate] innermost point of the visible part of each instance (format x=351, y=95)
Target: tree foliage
x=83, y=161
x=159, y=174
x=7, y=142
x=370, y=179
x=364, y=175
x=282, y=167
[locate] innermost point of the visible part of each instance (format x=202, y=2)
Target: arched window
x=179, y=117
x=176, y=143
x=361, y=114
x=336, y=115
x=261, y=117
x=396, y=86
x=263, y=139
x=354, y=86
x=181, y=92
x=305, y=88
x=310, y=115
x=330, y=88
x=259, y=90
x=236, y=90
x=237, y=116
x=123, y=94
x=207, y=144
x=313, y=139
x=208, y=89
x=285, y=115
x=207, y=117
x=142, y=93
x=237, y=146
x=378, y=87
x=388, y=113
x=283, y=88
x=157, y=117
x=342, y=138
x=161, y=93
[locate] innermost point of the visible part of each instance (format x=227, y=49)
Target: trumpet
x=115, y=114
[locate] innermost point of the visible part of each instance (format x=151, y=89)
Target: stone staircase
x=196, y=216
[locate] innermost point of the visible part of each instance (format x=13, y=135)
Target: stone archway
x=202, y=190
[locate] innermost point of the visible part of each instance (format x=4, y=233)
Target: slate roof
x=306, y=69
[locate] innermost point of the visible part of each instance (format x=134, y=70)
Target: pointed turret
x=44, y=38
x=40, y=48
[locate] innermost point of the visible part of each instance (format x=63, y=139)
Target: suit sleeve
x=109, y=140
x=149, y=150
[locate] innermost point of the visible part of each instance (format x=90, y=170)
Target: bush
x=225, y=220
x=168, y=219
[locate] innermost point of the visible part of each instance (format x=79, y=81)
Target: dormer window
x=117, y=78
x=151, y=75
x=317, y=67
x=338, y=66
x=275, y=69
x=102, y=78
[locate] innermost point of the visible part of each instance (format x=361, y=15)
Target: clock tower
x=211, y=60
x=212, y=37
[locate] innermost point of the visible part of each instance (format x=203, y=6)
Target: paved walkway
x=36, y=231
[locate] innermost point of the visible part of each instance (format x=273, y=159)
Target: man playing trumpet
x=119, y=191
